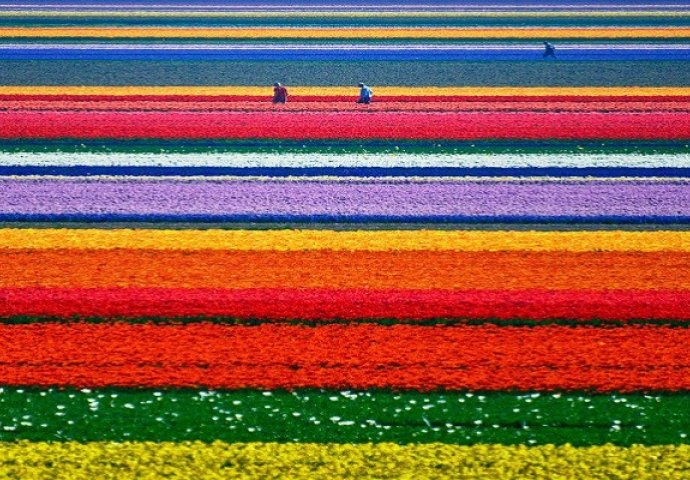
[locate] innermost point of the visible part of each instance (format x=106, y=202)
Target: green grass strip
x=345, y=21
x=348, y=416
x=666, y=73
x=341, y=147
x=512, y=322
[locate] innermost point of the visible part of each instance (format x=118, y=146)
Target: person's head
x=277, y=84
x=360, y=85
x=546, y=43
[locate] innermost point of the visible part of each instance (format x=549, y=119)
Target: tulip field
x=484, y=273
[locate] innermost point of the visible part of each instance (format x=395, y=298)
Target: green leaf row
x=373, y=20
x=641, y=147
x=311, y=415
x=511, y=322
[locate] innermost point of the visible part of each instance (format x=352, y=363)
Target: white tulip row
x=303, y=160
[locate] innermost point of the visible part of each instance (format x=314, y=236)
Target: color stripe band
x=324, y=416
x=325, y=305
x=309, y=461
x=425, y=358
x=307, y=240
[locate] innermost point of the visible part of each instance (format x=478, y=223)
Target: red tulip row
x=348, y=125
x=549, y=99
x=328, y=304
x=631, y=358
x=177, y=105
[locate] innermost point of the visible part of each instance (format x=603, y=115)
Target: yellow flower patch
x=195, y=460
x=302, y=240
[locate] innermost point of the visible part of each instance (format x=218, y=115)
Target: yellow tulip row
x=299, y=13
x=148, y=460
x=349, y=33
x=233, y=90
x=302, y=240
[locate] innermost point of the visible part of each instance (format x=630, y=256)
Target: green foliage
x=342, y=416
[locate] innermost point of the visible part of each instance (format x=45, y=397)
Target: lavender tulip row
x=328, y=199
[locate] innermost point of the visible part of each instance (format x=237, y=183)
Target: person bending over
x=280, y=93
x=365, y=94
x=549, y=50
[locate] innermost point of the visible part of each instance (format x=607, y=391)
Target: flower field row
x=316, y=305
x=346, y=125
x=347, y=104
x=315, y=461
x=372, y=51
x=335, y=172
x=404, y=270
x=328, y=163
x=647, y=100
x=626, y=359
x=352, y=160
x=324, y=416
x=344, y=199
x=191, y=74
x=267, y=146
x=347, y=33
x=224, y=92
x=333, y=240
x=385, y=9
x=348, y=16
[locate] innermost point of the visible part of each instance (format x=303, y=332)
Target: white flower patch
x=321, y=160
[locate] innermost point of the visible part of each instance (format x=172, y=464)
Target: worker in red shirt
x=280, y=93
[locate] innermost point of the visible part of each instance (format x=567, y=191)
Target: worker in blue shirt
x=549, y=50
x=365, y=94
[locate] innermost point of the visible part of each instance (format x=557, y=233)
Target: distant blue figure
x=365, y=94
x=549, y=50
